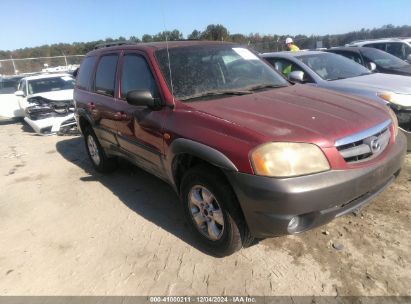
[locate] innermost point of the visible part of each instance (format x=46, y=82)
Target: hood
x=378, y=82
x=406, y=70
x=55, y=95
x=297, y=113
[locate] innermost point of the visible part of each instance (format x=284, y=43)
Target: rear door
x=101, y=103
x=140, y=128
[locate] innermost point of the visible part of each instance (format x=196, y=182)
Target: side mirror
x=142, y=98
x=371, y=66
x=409, y=58
x=19, y=93
x=296, y=76
x=75, y=73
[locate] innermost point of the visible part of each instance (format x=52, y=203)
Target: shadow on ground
x=8, y=121
x=143, y=193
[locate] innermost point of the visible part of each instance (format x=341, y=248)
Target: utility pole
x=65, y=58
x=14, y=66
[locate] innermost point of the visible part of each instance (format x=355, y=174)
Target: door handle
x=91, y=106
x=120, y=116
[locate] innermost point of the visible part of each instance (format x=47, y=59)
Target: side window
x=22, y=87
x=407, y=50
x=84, y=74
x=396, y=49
x=106, y=75
x=136, y=75
x=380, y=46
x=285, y=67
x=353, y=56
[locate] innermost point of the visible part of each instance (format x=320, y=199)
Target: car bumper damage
x=275, y=206
x=404, y=122
x=47, y=116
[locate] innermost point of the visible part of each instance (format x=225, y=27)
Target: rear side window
x=106, y=75
x=380, y=46
x=396, y=49
x=86, y=68
x=350, y=55
x=136, y=75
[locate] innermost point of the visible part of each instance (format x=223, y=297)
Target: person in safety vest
x=292, y=48
x=290, y=45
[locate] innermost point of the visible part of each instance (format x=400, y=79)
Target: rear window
x=86, y=68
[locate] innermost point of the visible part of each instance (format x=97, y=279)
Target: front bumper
x=408, y=136
x=51, y=125
x=269, y=204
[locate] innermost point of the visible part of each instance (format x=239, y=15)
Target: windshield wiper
x=216, y=93
x=266, y=86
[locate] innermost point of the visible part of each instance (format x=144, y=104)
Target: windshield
x=383, y=59
x=215, y=70
x=332, y=67
x=50, y=84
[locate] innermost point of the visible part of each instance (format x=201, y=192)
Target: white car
x=400, y=47
x=47, y=102
x=9, y=106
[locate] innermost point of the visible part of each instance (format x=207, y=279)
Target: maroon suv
x=249, y=154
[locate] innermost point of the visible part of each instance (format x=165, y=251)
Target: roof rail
x=114, y=43
x=376, y=39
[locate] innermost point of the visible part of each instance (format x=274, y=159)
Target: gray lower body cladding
x=269, y=204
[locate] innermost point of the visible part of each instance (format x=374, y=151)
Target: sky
x=29, y=23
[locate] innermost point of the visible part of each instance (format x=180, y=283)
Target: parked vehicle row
x=250, y=154
x=335, y=72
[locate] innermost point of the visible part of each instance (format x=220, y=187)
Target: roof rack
x=114, y=43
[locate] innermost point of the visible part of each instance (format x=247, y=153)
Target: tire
x=219, y=224
x=96, y=153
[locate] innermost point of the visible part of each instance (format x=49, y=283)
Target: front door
x=140, y=128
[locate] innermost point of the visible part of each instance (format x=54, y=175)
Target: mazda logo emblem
x=375, y=145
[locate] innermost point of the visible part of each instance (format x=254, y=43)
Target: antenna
x=168, y=53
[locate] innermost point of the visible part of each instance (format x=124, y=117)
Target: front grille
x=365, y=145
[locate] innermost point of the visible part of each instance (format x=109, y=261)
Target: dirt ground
x=66, y=230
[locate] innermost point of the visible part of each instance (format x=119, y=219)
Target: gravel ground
x=66, y=230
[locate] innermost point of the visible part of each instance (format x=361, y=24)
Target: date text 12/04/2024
x=205, y=299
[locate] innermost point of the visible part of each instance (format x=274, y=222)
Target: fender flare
x=204, y=152
x=83, y=114
x=199, y=150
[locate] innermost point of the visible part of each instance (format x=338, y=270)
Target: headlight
x=394, y=120
x=403, y=100
x=282, y=159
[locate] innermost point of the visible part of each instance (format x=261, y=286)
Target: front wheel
x=213, y=211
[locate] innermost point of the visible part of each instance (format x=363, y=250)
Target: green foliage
x=215, y=32
x=195, y=35
x=261, y=43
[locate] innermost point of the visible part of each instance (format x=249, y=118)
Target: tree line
x=261, y=43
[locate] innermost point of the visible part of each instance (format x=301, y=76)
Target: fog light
x=293, y=224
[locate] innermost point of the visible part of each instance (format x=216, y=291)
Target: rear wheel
x=213, y=211
x=98, y=157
